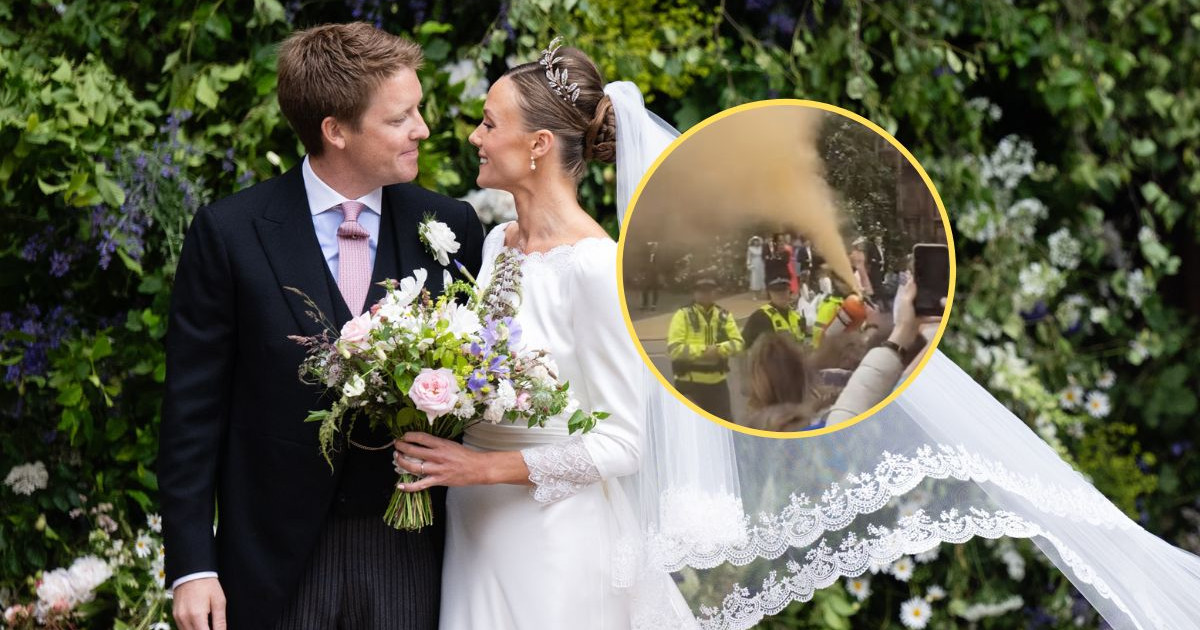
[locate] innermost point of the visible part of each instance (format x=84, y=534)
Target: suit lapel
x=405, y=219
x=293, y=252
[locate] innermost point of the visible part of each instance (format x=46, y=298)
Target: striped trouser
x=363, y=574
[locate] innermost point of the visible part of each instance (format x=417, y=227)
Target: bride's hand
x=439, y=462
x=447, y=463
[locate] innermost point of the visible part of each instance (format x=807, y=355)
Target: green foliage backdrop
x=1062, y=136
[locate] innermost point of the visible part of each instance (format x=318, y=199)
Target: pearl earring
x=532, y=164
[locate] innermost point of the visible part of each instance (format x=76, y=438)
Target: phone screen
x=931, y=270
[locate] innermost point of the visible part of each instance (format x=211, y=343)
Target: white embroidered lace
x=803, y=521
x=824, y=565
x=559, y=470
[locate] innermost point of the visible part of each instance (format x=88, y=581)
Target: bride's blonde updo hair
x=582, y=120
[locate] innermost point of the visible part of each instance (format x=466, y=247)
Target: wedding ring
x=422, y=469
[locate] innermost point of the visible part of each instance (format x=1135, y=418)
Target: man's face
x=383, y=149
x=704, y=296
x=780, y=297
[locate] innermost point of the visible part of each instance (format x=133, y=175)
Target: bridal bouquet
x=414, y=363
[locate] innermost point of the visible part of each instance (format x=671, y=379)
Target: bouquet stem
x=409, y=511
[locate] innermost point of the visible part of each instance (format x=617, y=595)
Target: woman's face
x=504, y=145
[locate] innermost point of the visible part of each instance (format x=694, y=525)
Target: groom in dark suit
x=299, y=545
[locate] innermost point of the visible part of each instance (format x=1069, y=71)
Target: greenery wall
x=1063, y=138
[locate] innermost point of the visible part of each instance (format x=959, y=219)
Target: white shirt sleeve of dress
x=608, y=357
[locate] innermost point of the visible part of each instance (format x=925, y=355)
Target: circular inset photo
x=786, y=268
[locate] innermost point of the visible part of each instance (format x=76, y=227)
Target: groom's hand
x=198, y=600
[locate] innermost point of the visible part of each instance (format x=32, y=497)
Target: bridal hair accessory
x=557, y=78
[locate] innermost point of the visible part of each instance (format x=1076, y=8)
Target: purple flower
x=290, y=10
x=490, y=335
x=107, y=248
x=782, y=22
x=1039, y=618
x=498, y=365
x=33, y=249
x=504, y=23
x=1177, y=448
x=514, y=332
x=1037, y=313
x=477, y=381
x=60, y=264
x=418, y=8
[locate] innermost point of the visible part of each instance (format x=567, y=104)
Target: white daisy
x=1107, y=379
x=159, y=572
x=859, y=587
x=935, y=593
x=902, y=569
x=1098, y=405
x=1071, y=397
x=154, y=521
x=915, y=613
x=142, y=547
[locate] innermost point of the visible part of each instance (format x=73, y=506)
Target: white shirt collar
x=321, y=197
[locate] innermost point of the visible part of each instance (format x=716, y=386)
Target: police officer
x=700, y=341
x=777, y=315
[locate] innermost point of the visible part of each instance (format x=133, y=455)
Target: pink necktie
x=354, y=257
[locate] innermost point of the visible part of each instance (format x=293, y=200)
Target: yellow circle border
x=937, y=198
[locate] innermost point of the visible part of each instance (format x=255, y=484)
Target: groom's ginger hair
x=332, y=70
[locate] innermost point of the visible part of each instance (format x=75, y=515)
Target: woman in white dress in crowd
x=754, y=264
x=534, y=514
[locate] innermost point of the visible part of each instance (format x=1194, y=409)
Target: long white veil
x=749, y=525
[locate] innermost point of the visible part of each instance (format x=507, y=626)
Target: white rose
x=354, y=387
x=57, y=591
x=440, y=239
x=87, y=573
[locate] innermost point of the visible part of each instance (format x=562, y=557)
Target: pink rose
x=355, y=331
x=435, y=392
x=522, y=401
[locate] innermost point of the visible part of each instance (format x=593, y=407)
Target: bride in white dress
x=534, y=515
x=548, y=530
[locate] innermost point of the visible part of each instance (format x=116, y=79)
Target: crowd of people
x=819, y=351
